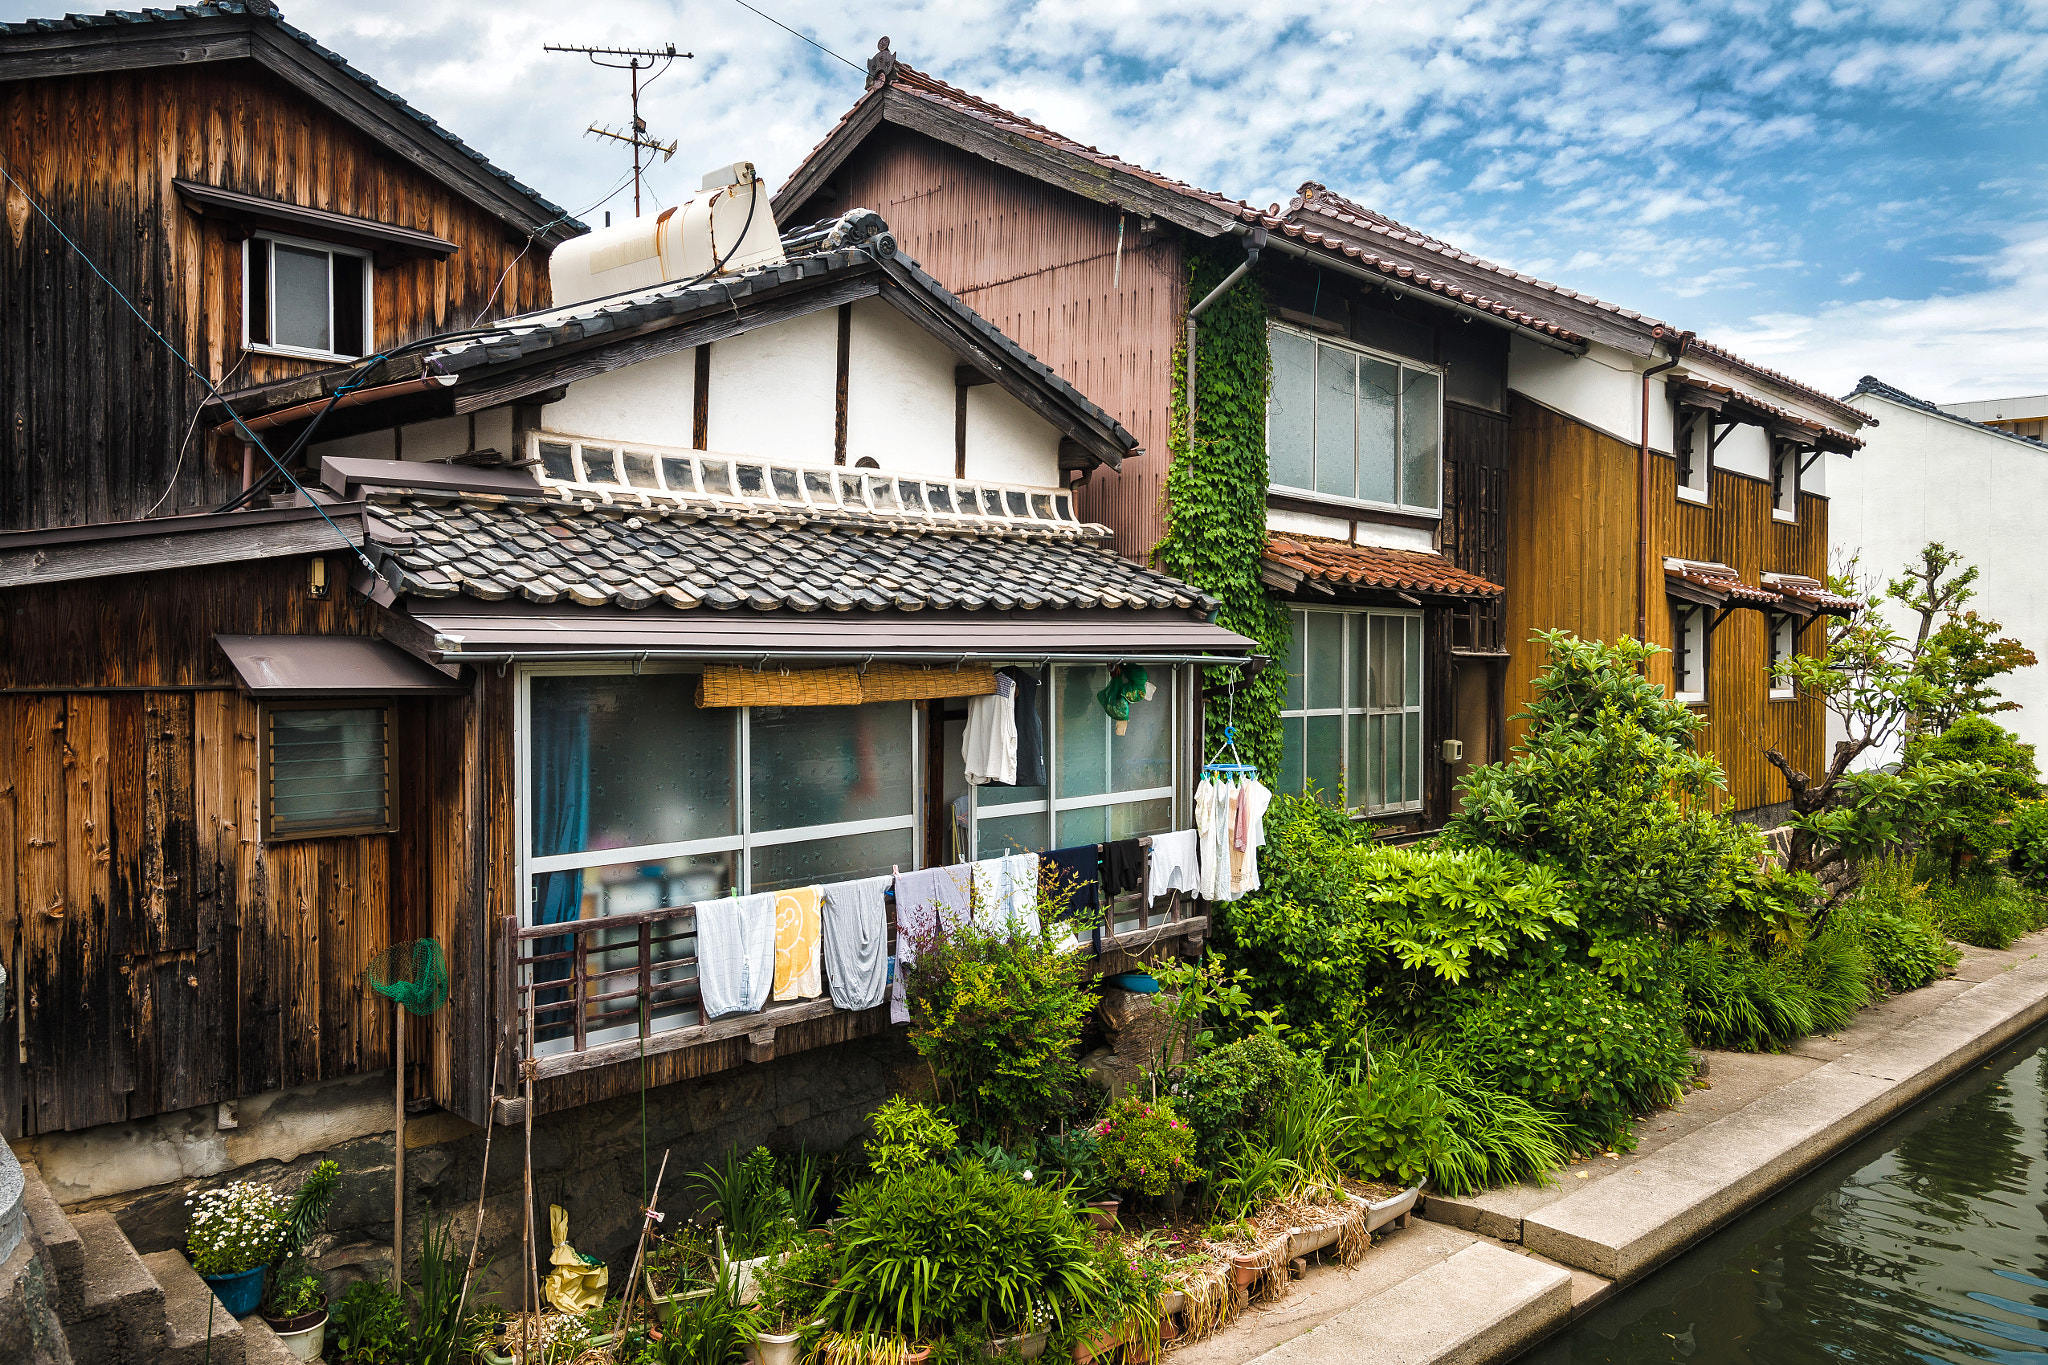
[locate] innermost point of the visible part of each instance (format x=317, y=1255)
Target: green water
x=1928, y=1241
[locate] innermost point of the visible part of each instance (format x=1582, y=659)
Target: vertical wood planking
x=12, y=1089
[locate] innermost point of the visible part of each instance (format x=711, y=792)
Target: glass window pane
x=1010, y=796
x=1373, y=756
x=1386, y=661
x=1011, y=834
x=1132, y=819
x=1090, y=826
x=328, y=769
x=1081, y=744
x=1297, y=694
x=1378, y=382
x=301, y=298
x=1142, y=756
x=1411, y=766
x=1357, y=659
x=1413, y=694
x=1293, y=757
x=1325, y=659
x=829, y=860
x=1336, y=422
x=1290, y=419
x=1421, y=458
x=1326, y=756
x=622, y=762
x=820, y=765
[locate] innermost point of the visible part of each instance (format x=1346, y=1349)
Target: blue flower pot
x=240, y=1292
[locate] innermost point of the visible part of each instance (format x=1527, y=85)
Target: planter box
x=1386, y=1211
x=1029, y=1345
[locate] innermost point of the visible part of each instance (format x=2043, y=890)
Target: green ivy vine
x=1216, y=496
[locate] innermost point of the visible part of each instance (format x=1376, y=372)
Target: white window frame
x=1777, y=624
x=1682, y=612
x=1785, y=496
x=273, y=347
x=1400, y=422
x=1053, y=805
x=1347, y=652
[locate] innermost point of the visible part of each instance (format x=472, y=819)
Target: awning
x=1803, y=596
x=1715, y=585
x=1296, y=563
x=275, y=667
x=462, y=629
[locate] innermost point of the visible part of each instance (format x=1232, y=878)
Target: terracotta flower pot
x=1245, y=1270
x=1102, y=1212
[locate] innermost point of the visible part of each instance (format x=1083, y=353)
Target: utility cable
x=212, y=389
x=186, y=444
x=805, y=36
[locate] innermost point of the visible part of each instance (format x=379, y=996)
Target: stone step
x=60, y=1240
x=120, y=1309
x=200, y=1328
x=260, y=1345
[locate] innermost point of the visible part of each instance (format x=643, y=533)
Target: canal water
x=1927, y=1241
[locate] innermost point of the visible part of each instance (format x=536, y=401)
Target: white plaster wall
x=654, y=401
x=1007, y=441
x=1306, y=524
x=441, y=439
x=899, y=394
x=1339, y=528
x=1600, y=388
x=1921, y=477
x=1745, y=450
x=774, y=390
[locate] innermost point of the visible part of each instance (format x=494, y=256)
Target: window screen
x=327, y=771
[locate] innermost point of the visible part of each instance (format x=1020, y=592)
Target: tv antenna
x=634, y=60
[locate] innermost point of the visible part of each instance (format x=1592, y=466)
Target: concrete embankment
x=1488, y=1276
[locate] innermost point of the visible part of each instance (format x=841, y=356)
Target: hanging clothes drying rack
x=1216, y=766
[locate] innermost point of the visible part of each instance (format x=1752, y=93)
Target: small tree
x=1980, y=807
x=1958, y=657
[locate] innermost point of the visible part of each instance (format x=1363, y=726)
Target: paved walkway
x=1487, y=1276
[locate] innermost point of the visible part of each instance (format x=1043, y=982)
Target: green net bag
x=413, y=975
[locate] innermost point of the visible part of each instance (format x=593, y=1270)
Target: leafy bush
x=368, y=1326
x=942, y=1247
x=713, y=1328
x=1075, y=1159
x=908, y=1135
x=1750, y=1001
x=2007, y=777
x=745, y=1195
x=2028, y=838
x=1227, y=1092
x=793, y=1286
x=1399, y=1118
x=1611, y=792
x=1145, y=1147
x=998, y=1017
x=1986, y=908
x=290, y=1297
x=234, y=1228
x=1343, y=932
x=1567, y=1042
x=1417, y=1115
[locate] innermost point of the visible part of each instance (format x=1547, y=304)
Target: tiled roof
x=257, y=9
x=1341, y=564
x=1811, y=592
x=494, y=548
x=1784, y=415
x=1876, y=387
x=1721, y=581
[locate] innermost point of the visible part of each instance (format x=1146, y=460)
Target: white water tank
x=726, y=226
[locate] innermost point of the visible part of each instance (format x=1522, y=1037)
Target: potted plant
x=296, y=1306
x=234, y=1235
x=1146, y=1149
x=791, y=1289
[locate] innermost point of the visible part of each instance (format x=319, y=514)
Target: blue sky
x=1831, y=188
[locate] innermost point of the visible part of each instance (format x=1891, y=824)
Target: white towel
x=1252, y=802
x=988, y=746
x=857, y=943
x=1021, y=902
x=1174, y=864
x=991, y=894
x=928, y=902
x=735, y=953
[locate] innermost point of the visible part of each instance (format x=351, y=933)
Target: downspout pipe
x=1253, y=246
x=1677, y=345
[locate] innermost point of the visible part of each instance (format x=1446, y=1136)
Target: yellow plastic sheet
x=577, y=1283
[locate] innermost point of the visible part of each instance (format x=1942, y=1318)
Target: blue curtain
x=561, y=824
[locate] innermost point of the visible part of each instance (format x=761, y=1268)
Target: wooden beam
x=844, y=364
x=104, y=558
x=700, y=397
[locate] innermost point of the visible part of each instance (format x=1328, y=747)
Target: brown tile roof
x=1721, y=582
x=1799, y=590
x=1340, y=564
x=1829, y=437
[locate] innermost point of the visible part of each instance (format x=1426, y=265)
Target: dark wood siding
x=1474, y=535
x=97, y=410
x=166, y=957
x=1043, y=265
x=1571, y=566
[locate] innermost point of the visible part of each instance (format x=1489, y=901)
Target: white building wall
x=1921, y=478
x=774, y=390
x=654, y=401
x=899, y=394
x=1006, y=441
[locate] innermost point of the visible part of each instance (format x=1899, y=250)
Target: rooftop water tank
x=726, y=226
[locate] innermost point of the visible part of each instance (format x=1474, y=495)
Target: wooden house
x=1456, y=452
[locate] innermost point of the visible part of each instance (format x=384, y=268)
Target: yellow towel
x=797, y=944
x=575, y=1285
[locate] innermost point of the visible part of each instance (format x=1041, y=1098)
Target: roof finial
x=881, y=66
x=261, y=9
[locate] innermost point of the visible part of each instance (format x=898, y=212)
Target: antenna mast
x=636, y=60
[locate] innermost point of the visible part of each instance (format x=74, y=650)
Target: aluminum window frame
x=1347, y=653
x=330, y=250
x=1402, y=364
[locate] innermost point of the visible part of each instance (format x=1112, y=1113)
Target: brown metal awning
x=458, y=628
x=276, y=667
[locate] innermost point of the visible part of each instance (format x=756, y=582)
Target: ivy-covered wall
x=1216, y=493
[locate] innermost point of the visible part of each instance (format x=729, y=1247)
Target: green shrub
x=1145, y=1147
x=2028, y=839
x=1227, y=1092
x=908, y=1135
x=369, y=1326
x=1416, y=1114
x=712, y=1328
x=1892, y=915
x=943, y=1247
x=1074, y=1158
x=1398, y=1118
x=1986, y=908
x=1978, y=808
x=998, y=1017
x=745, y=1195
x=1567, y=1041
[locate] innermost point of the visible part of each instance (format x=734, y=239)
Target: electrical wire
x=531, y=237
x=212, y=389
x=186, y=444
x=806, y=37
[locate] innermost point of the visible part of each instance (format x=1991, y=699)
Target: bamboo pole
x=483, y=1183
x=531, y=1289
x=398, y=1147
x=649, y=1218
